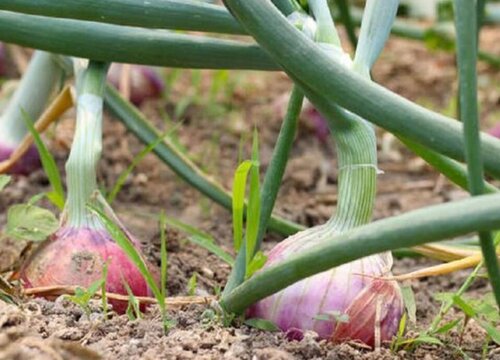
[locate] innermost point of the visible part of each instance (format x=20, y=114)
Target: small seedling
x=192, y=284
x=56, y=196
x=133, y=307
x=83, y=296
x=30, y=222
x=4, y=181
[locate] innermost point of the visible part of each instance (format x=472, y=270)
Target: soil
x=42, y=329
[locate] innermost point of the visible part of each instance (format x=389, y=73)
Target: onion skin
x=145, y=83
x=378, y=305
x=75, y=256
x=351, y=289
x=28, y=163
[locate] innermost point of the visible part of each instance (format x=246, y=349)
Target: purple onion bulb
x=75, y=256
x=28, y=163
x=145, y=83
x=319, y=302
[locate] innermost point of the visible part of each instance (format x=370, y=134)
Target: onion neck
x=357, y=179
x=86, y=149
x=31, y=96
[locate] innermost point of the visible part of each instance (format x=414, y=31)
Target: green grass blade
x=201, y=238
x=4, y=181
x=163, y=254
x=129, y=249
x=272, y=182
x=434, y=223
x=239, y=187
x=135, y=161
x=253, y=213
x=48, y=163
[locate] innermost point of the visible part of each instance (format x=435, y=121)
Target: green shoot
x=253, y=213
x=83, y=296
x=4, y=181
x=256, y=263
x=133, y=308
x=56, y=196
x=163, y=254
x=137, y=159
x=192, y=284
x=248, y=168
x=200, y=238
x=410, y=305
x=400, y=334
x=483, y=311
x=262, y=324
x=104, y=297
x=129, y=249
x=239, y=185
x=7, y=292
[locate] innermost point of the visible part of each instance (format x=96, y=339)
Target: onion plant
x=29, y=100
x=255, y=14
x=76, y=253
x=327, y=278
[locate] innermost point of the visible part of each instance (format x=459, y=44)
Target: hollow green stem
x=272, y=182
x=324, y=76
x=86, y=148
x=162, y=14
x=113, y=43
x=347, y=20
x=407, y=30
x=378, y=18
x=414, y=228
x=31, y=96
x=467, y=57
x=182, y=166
x=286, y=6
x=453, y=170
x=276, y=169
x=326, y=31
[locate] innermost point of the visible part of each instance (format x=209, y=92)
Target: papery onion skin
x=341, y=290
x=145, y=83
x=28, y=163
x=75, y=256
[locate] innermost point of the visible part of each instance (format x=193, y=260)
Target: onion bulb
x=76, y=256
x=349, y=302
x=145, y=83
x=29, y=162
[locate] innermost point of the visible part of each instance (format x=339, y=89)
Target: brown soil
x=41, y=329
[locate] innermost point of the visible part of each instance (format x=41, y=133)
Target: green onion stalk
x=466, y=26
x=27, y=104
x=349, y=302
x=80, y=248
